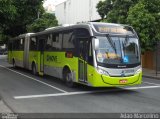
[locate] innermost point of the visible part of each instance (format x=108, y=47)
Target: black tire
x=34, y=70
x=68, y=78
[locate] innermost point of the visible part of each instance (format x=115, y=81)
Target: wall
x=73, y=11
x=151, y=59
x=148, y=60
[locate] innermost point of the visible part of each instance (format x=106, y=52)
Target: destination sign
x=114, y=29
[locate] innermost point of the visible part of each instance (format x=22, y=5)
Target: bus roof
x=62, y=28
x=98, y=27
x=22, y=36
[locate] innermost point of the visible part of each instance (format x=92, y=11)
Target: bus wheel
x=34, y=71
x=68, y=78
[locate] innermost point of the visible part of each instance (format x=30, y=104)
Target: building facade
x=74, y=11
x=49, y=5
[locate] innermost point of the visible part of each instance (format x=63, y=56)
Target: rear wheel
x=34, y=70
x=68, y=78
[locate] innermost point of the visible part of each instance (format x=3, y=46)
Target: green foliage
x=115, y=10
x=144, y=18
x=119, y=12
x=142, y=22
x=103, y=7
x=3, y=38
x=15, y=15
x=143, y=15
x=27, y=12
x=45, y=21
x=7, y=12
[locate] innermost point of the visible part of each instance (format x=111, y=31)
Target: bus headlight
x=138, y=71
x=101, y=71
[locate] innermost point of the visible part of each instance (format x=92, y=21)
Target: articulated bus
x=93, y=54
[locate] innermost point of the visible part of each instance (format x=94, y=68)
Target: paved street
x=25, y=93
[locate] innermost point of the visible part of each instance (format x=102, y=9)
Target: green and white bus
x=93, y=54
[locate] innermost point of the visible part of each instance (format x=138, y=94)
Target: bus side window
x=90, y=55
x=57, y=41
x=54, y=41
x=60, y=41
x=68, y=40
x=83, y=37
x=33, y=44
x=16, y=44
x=41, y=42
x=82, y=33
x=10, y=45
x=21, y=46
x=48, y=46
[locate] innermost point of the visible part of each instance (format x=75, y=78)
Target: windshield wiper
x=111, y=43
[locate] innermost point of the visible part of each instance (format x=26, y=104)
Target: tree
x=7, y=12
x=103, y=7
x=45, y=21
x=27, y=12
x=116, y=11
x=15, y=15
x=120, y=11
x=144, y=17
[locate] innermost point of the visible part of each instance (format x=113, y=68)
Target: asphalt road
x=25, y=93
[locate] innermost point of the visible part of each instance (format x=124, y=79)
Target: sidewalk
x=151, y=73
x=4, y=108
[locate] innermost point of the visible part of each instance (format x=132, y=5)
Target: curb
x=8, y=109
x=4, y=108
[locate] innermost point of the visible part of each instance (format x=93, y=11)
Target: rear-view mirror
x=96, y=44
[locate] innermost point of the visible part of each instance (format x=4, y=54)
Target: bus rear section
x=21, y=51
x=16, y=51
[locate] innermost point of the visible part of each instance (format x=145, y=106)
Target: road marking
x=82, y=92
x=34, y=79
x=151, y=83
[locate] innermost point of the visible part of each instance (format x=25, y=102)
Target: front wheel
x=68, y=78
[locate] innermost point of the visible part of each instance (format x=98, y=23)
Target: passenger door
x=41, y=49
x=26, y=52
x=83, y=57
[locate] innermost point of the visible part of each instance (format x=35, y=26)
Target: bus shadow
x=77, y=88
x=115, y=92
x=44, y=78
x=105, y=90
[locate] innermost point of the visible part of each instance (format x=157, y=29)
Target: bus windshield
x=118, y=50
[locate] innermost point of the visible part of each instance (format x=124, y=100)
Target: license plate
x=123, y=81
